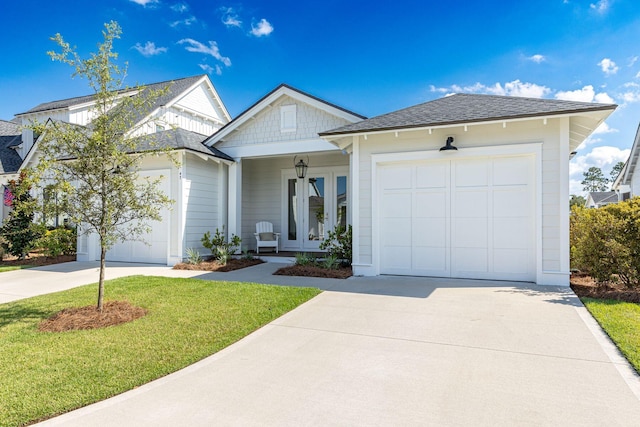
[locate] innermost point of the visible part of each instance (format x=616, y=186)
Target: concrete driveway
x=399, y=351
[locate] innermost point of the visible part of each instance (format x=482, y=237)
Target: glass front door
x=313, y=206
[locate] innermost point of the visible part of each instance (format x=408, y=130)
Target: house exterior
x=466, y=186
x=627, y=184
x=597, y=199
x=189, y=111
x=10, y=160
x=495, y=208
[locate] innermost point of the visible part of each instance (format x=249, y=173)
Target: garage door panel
x=470, y=260
x=397, y=205
x=432, y=176
x=396, y=260
x=431, y=261
x=433, y=204
x=396, y=232
x=470, y=233
x=470, y=173
x=470, y=204
x=511, y=171
x=396, y=178
x=429, y=232
x=514, y=202
x=511, y=233
x=511, y=261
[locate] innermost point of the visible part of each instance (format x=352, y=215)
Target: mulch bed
x=315, y=271
x=585, y=287
x=36, y=260
x=73, y=319
x=232, y=264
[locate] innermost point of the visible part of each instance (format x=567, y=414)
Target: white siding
x=200, y=201
x=475, y=136
x=266, y=126
x=200, y=100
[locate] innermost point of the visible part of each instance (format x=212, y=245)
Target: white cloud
x=186, y=22
x=180, y=7
x=631, y=96
x=604, y=128
x=145, y=2
x=632, y=61
x=263, y=28
x=212, y=49
x=537, y=58
x=586, y=94
x=149, y=49
x=608, y=66
x=211, y=70
x=514, y=88
x=230, y=17
x=601, y=6
x=604, y=157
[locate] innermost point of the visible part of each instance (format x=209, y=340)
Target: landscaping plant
x=193, y=256
x=339, y=242
x=220, y=248
x=59, y=241
x=605, y=242
x=19, y=233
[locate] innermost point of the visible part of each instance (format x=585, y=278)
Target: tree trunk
x=103, y=255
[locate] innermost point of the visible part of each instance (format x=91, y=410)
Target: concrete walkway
x=397, y=351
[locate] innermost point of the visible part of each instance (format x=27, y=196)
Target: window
x=288, y=118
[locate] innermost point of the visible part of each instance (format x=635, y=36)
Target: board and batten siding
x=554, y=257
x=200, y=194
x=266, y=126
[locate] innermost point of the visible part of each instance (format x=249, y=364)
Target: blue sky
x=369, y=57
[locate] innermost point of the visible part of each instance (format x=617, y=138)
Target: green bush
x=219, y=247
x=59, y=241
x=339, y=243
x=193, y=256
x=304, y=258
x=605, y=242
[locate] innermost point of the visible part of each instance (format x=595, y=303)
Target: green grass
x=621, y=321
x=45, y=374
x=13, y=267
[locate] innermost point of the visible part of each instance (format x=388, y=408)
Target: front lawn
x=621, y=321
x=44, y=374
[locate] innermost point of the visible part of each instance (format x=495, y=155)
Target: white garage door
x=158, y=239
x=469, y=218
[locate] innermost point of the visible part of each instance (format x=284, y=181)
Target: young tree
x=577, y=201
x=615, y=171
x=594, y=180
x=18, y=231
x=96, y=166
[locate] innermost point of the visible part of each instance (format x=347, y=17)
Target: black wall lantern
x=449, y=145
x=301, y=167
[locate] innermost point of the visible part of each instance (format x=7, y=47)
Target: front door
x=313, y=206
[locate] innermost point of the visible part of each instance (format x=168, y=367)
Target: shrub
x=59, y=241
x=193, y=256
x=303, y=258
x=605, y=242
x=19, y=231
x=339, y=242
x=331, y=262
x=219, y=247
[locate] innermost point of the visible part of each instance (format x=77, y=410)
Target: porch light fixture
x=301, y=167
x=449, y=145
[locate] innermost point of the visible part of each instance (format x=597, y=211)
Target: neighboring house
x=627, y=184
x=466, y=186
x=10, y=160
x=495, y=208
x=597, y=199
x=189, y=112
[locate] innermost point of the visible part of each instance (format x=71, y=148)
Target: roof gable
x=10, y=160
x=281, y=92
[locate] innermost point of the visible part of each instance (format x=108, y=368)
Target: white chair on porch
x=265, y=237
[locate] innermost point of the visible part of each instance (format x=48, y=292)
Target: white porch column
x=235, y=199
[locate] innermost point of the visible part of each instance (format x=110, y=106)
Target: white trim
x=564, y=198
x=266, y=103
x=280, y=148
x=355, y=202
x=377, y=160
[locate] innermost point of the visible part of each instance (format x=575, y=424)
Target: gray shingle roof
x=175, y=87
x=600, y=197
x=467, y=108
x=179, y=139
x=10, y=136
